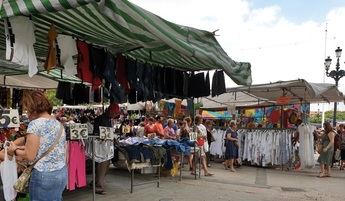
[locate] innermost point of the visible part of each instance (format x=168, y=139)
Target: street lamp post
x=336, y=74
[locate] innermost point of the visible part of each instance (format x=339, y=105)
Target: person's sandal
x=101, y=192
x=322, y=175
x=208, y=174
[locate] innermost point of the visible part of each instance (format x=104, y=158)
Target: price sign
x=79, y=131
x=9, y=119
x=193, y=136
x=106, y=133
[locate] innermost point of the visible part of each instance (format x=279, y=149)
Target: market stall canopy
x=299, y=91
x=236, y=99
x=24, y=81
x=122, y=27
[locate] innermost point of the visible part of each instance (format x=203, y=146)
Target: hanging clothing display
x=306, y=145
x=23, y=48
x=83, y=67
x=81, y=94
x=76, y=165
x=121, y=74
x=265, y=147
x=116, y=92
x=68, y=49
x=198, y=86
x=217, y=147
x=9, y=39
x=218, y=83
x=51, y=59
x=97, y=61
x=104, y=150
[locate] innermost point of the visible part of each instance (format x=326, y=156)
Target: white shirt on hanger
x=24, y=53
x=68, y=49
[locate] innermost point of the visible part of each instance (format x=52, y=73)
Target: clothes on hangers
x=121, y=73
x=51, y=59
x=117, y=93
x=23, y=48
x=68, y=49
x=198, y=86
x=97, y=61
x=83, y=67
x=217, y=147
x=266, y=147
x=306, y=145
x=76, y=165
x=218, y=83
x=104, y=150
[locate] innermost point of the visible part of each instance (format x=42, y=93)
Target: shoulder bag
x=22, y=183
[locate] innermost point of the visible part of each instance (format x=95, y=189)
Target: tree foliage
x=316, y=118
x=52, y=98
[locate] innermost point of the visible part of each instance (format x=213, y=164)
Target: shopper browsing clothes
x=202, y=144
x=326, y=153
x=45, y=138
x=210, y=139
x=105, y=120
x=231, y=147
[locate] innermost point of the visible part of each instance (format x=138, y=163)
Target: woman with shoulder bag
x=44, y=147
x=326, y=155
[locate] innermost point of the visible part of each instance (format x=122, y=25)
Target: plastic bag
x=9, y=176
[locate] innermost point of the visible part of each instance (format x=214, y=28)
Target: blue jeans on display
x=47, y=186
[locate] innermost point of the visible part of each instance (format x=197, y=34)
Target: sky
x=282, y=39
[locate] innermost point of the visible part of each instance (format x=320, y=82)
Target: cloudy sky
x=283, y=40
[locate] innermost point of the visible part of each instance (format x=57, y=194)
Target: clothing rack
x=135, y=166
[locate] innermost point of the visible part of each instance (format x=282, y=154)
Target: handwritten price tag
x=79, y=131
x=193, y=136
x=107, y=133
x=9, y=119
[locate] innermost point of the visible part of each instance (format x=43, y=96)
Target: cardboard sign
x=283, y=100
x=193, y=136
x=9, y=119
x=79, y=131
x=107, y=133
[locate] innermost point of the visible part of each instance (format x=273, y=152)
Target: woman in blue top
x=231, y=148
x=49, y=176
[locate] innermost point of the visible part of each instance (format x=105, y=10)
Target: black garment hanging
x=97, y=95
x=81, y=94
x=97, y=61
x=218, y=83
x=132, y=72
x=179, y=83
x=64, y=92
x=207, y=84
x=198, y=86
x=115, y=91
x=186, y=78
x=148, y=82
x=132, y=96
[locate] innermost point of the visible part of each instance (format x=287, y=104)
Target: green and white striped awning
x=123, y=27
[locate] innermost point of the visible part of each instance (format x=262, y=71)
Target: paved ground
x=248, y=183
